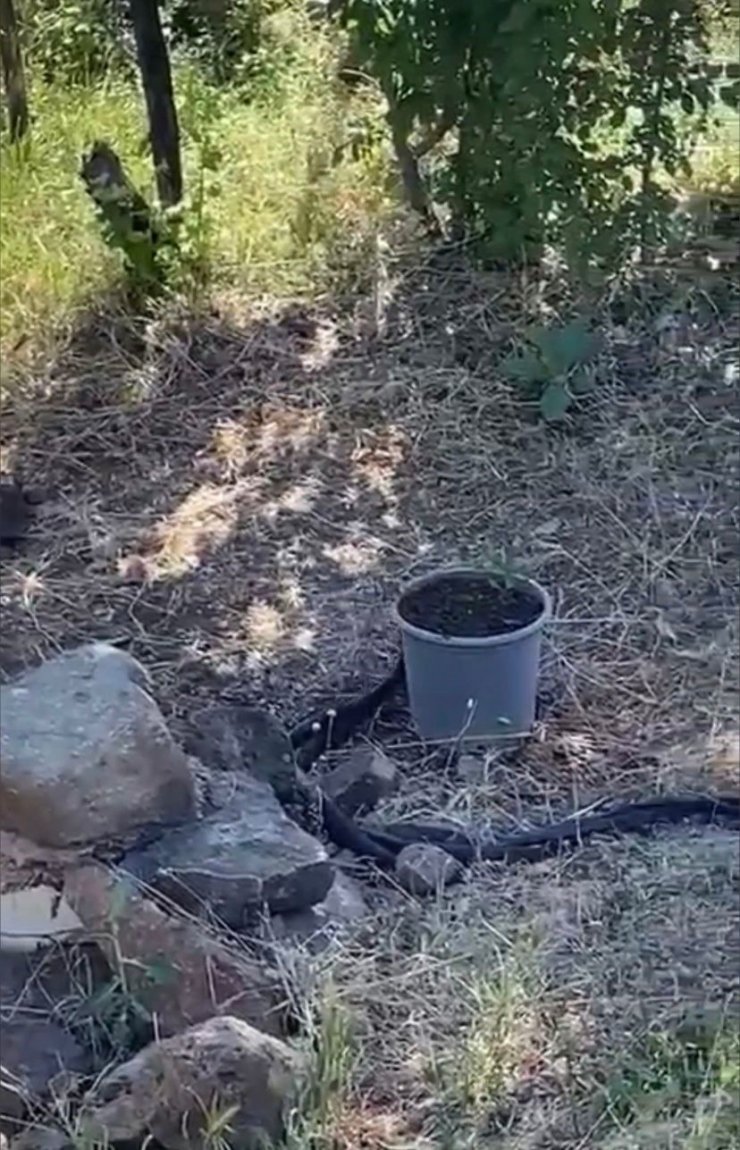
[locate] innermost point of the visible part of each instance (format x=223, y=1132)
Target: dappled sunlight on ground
x=202, y=523
x=261, y=502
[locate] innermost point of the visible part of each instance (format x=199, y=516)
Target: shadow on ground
x=237, y=495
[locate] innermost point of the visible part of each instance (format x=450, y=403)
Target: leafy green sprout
x=552, y=366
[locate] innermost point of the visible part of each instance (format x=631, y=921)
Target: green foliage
x=74, y=41
x=119, y=1021
x=551, y=367
x=670, y=1072
x=534, y=91
x=243, y=42
x=130, y=227
x=189, y=229
x=253, y=170
x=231, y=41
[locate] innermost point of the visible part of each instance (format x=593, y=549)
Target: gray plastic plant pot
x=472, y=687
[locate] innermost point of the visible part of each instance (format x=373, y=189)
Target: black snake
x=330, y=729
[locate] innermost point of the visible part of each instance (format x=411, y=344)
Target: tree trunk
x=154, y=65
x=413, y=184
x=13, y=76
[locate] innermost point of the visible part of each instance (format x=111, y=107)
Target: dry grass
x=237, y=498
x=571, y=1004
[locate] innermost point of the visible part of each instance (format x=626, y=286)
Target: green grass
x=270, y=208
x=685, y=1079
x=53, y=259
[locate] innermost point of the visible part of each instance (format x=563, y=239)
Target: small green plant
x=478, y=1070
x=114, y=1012
x=551, y=367
x=693, y=1068
x=327, y=1085
x=191, y=223
x=217, y=1125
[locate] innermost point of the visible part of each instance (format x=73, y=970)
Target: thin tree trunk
x=13, y=74
x=156, y=77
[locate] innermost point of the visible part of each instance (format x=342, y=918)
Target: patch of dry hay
x=531, y=1007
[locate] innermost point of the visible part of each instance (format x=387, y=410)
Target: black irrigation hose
x=628, y=818
x=330, y=729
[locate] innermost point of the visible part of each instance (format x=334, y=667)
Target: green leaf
x=524, y=367
x=564, y=348
x=554, y=402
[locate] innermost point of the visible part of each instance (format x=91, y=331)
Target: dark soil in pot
x=470, y=607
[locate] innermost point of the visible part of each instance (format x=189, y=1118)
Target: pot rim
x=479, y=640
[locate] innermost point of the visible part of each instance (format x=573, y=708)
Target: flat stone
x=173, y=966
x=167, y=1090
x=472, y=769
x=233, y=738
x=423, y=868
x=85, y=752
x=33, y=917
x=244, y=855
x=361, y=780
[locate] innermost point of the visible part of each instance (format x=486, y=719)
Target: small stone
x=663, y=593
x=169, y=1090
x=174, y=968
x=359, y=782
x=314, y=928
x=471, y=769
x=234, y=738
x=244, y=855
x=85, y=752
x=422, y=868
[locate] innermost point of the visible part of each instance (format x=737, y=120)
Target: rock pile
x=116, y=848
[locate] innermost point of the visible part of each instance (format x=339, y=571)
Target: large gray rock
x=85, y=754
x=169, y=1089
x=36, y=1137
x=230, y=737
x=174, y=967
x=244, y=855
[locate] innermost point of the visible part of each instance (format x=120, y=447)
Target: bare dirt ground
x=237, y=498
